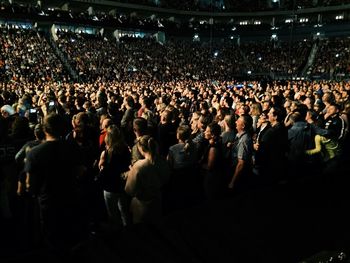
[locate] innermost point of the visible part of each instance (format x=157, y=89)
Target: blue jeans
x=116, y=206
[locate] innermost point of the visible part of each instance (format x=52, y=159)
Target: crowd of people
x=94, y=57
x=127, y=147
x=131, y=152
x=332, y=58
x=26, y=55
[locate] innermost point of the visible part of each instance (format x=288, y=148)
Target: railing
x=62, y=57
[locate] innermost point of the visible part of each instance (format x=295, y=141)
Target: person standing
x=114, y=161
x=242, y=155
x=145, y=182
x=53, y=169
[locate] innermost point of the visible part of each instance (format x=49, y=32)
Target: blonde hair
x=114, y=139
x=149, y=145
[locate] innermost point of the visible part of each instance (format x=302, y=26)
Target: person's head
x=332, y=110
x=20, y=128
x=129, y=102
x=80, y=119
x=140, y=126
x=114, y=138
x=263, y=118
x=194, y=121
x=166, y=117
x=39, y=132
x=87, y=105
x=7, y=111
x=212, y=132
x=346, y=109
x=53, y=125
x=148, y=147
x=266, y=105
x=287, y=105
x=146, y=102
x=203, y=122
x=228, y=102
x=244, y=109
x=244, y=123
x=302, y=110
x=294, y=105
x=229, y=121
x=275, y=115
x=183, y=133
x=318, y=106
x=255, y=109
x=106, y=123
x=309, y=102
x=311, y=116
x=328, y=97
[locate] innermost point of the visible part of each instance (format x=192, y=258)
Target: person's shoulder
x=176, y=147
x=139, y=164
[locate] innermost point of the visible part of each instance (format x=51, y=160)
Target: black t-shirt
x=52, y=167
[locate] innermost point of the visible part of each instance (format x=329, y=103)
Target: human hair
x=167, y=116
x=184, y=134
x=302, y=109
x=204, y=120
x=114, y=139
x=255, y=109
x=130, y=101
x=215, y=129
x=20, y=128
x=54, y=125
x=277, y=100
x=328, y=97
x=229, y=101
x=248, y=122
x=295, y=117
x=246, y=109
x=140, y=126
x=81, y=119
x=147, y=102
x=149, y=145
x=230, y=120
x=279, y=113
x=39, y=132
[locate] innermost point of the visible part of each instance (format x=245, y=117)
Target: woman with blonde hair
x=255, y=112
x=114, y=161
x=145, y=181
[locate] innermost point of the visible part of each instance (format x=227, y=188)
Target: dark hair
x=184, y=134
x=147, y=101
x=229, y=101
x=140, y=126
x=20, y=128
x=39, y=132
x=246, y=109
x=279, y=113
x=168, y=115
x=248, y=122
x=313, y=114
x=215, y=129
x=302, y=110
x=130, y=101
x=54, y=125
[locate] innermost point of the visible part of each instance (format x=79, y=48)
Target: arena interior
x=174, y=130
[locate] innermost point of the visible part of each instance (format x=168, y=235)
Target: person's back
x=145, y=181
x=53, y=168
